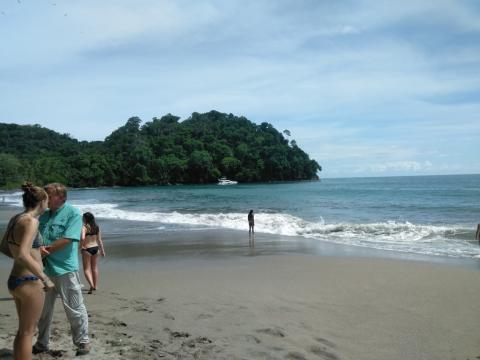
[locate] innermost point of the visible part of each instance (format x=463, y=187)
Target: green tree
x=162, y=151
x=230, y=166
x=11, y=171
x=200, y=167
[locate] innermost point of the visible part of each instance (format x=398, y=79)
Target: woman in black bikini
x=27, y=281
x=91, y=242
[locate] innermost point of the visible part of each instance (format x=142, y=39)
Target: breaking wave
x=391, y=235
x=447, y=240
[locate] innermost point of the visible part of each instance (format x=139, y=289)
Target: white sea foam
x=13, y=199
x=390, y=235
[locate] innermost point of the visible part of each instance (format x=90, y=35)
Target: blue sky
x=367, y=88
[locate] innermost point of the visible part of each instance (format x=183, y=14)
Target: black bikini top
x=89, y=231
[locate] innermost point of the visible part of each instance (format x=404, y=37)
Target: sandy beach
x=277, y=306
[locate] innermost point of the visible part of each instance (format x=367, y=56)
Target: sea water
x=428, y=215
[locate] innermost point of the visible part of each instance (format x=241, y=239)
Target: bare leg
x=18, y=307
x=87, y=268
x=29, y=298
x=94, y=263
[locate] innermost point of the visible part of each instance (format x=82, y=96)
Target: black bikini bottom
x=91, y=250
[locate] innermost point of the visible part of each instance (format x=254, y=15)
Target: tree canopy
x=197, y=150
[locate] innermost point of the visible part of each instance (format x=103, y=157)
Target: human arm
x=82, y=237
x=57, y=245
x=100, y=243
x=25, y=231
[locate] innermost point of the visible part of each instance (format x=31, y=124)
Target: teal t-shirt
x=67, y=223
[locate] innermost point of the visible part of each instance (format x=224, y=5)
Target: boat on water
x=225, y=181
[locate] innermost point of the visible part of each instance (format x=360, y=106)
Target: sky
x=366, y=88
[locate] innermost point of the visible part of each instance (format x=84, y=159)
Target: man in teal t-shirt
x=61, y=227
x=64, y=223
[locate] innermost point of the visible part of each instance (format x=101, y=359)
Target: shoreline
x=142, y=241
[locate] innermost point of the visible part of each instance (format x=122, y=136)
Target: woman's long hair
x=90, y=223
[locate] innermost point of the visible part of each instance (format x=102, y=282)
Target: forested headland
x=163, y=151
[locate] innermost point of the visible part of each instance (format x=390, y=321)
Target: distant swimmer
x=251, y=222
x=477, y=235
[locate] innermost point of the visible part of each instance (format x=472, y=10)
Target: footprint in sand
x=117, y=323
x=197, y=341
x=204, y=316
x=177, y=334
x=115, y=342
x=261, y=355
x=51, y=354
x=168, y=316
x=295, y=356
x=272, y=332
x=252, y=339
x=155, y=344
x=326, y=342
x=118, y=297
x=323, y=353
x=142, y=309
x=204, y=353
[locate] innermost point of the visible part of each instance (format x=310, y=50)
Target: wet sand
x=273, y=306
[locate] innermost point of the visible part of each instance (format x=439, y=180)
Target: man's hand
x=44, y=251
x=48, y=284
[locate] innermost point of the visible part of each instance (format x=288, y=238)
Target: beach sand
x=276, y=306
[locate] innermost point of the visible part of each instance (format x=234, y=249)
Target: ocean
x=425, y=215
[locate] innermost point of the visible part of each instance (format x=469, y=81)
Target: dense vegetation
x=163, y=151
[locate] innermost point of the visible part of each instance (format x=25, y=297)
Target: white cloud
x=396, y=166
x=114, y=21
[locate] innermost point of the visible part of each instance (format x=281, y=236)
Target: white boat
x=225, y=181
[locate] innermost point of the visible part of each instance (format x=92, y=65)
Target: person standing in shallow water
x=477, y=235
x=61, y=227
x=251, y=223
x=91, y=243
